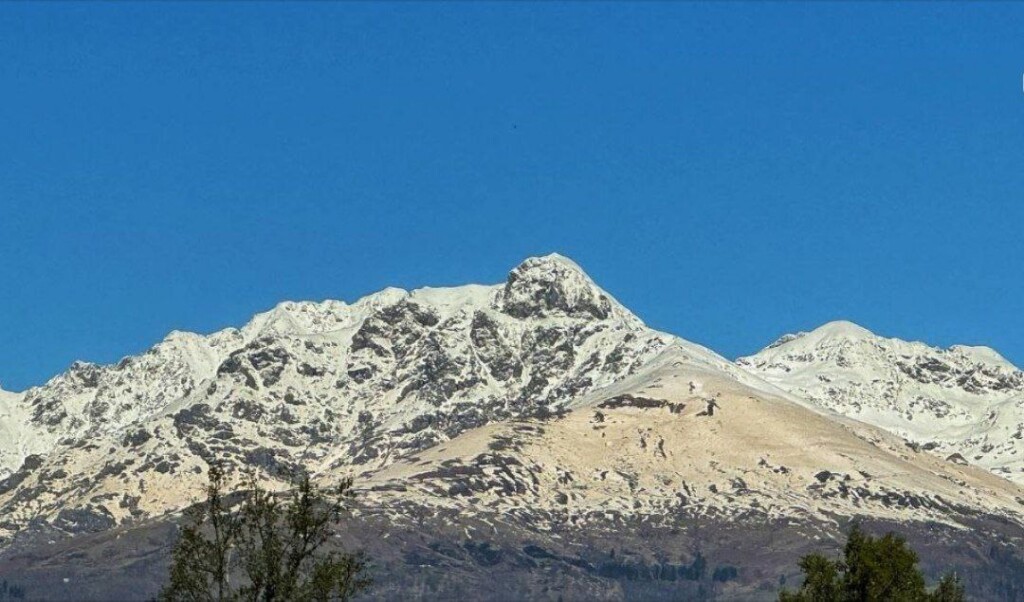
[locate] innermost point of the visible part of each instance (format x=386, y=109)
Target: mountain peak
x=547, y=267
x=554, y=258
x=837, y=330
x=553, y=286
x=841, y=329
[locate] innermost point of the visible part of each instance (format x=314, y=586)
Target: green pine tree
x=873, y=569
x=270, y=549
x=821, y=581
x=950, y=589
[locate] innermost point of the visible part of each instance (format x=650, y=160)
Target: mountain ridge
x=200, y=355
x=531, y=408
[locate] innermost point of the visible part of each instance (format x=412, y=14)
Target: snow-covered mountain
x=321, y=384
x=963, y=403
x=509, y=430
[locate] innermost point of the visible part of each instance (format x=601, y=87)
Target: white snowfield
x=592, y=413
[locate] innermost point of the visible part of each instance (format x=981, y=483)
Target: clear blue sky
x=730, y=172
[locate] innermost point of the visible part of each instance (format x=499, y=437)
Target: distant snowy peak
x=840, y=330
x=964, y=400
x=831, y=334
x=845, y=346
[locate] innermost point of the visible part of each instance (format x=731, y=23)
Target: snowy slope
x=679, y=437
x=16, y=438
x=962, y=400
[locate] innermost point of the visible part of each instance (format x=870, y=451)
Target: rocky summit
x=527, y=440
